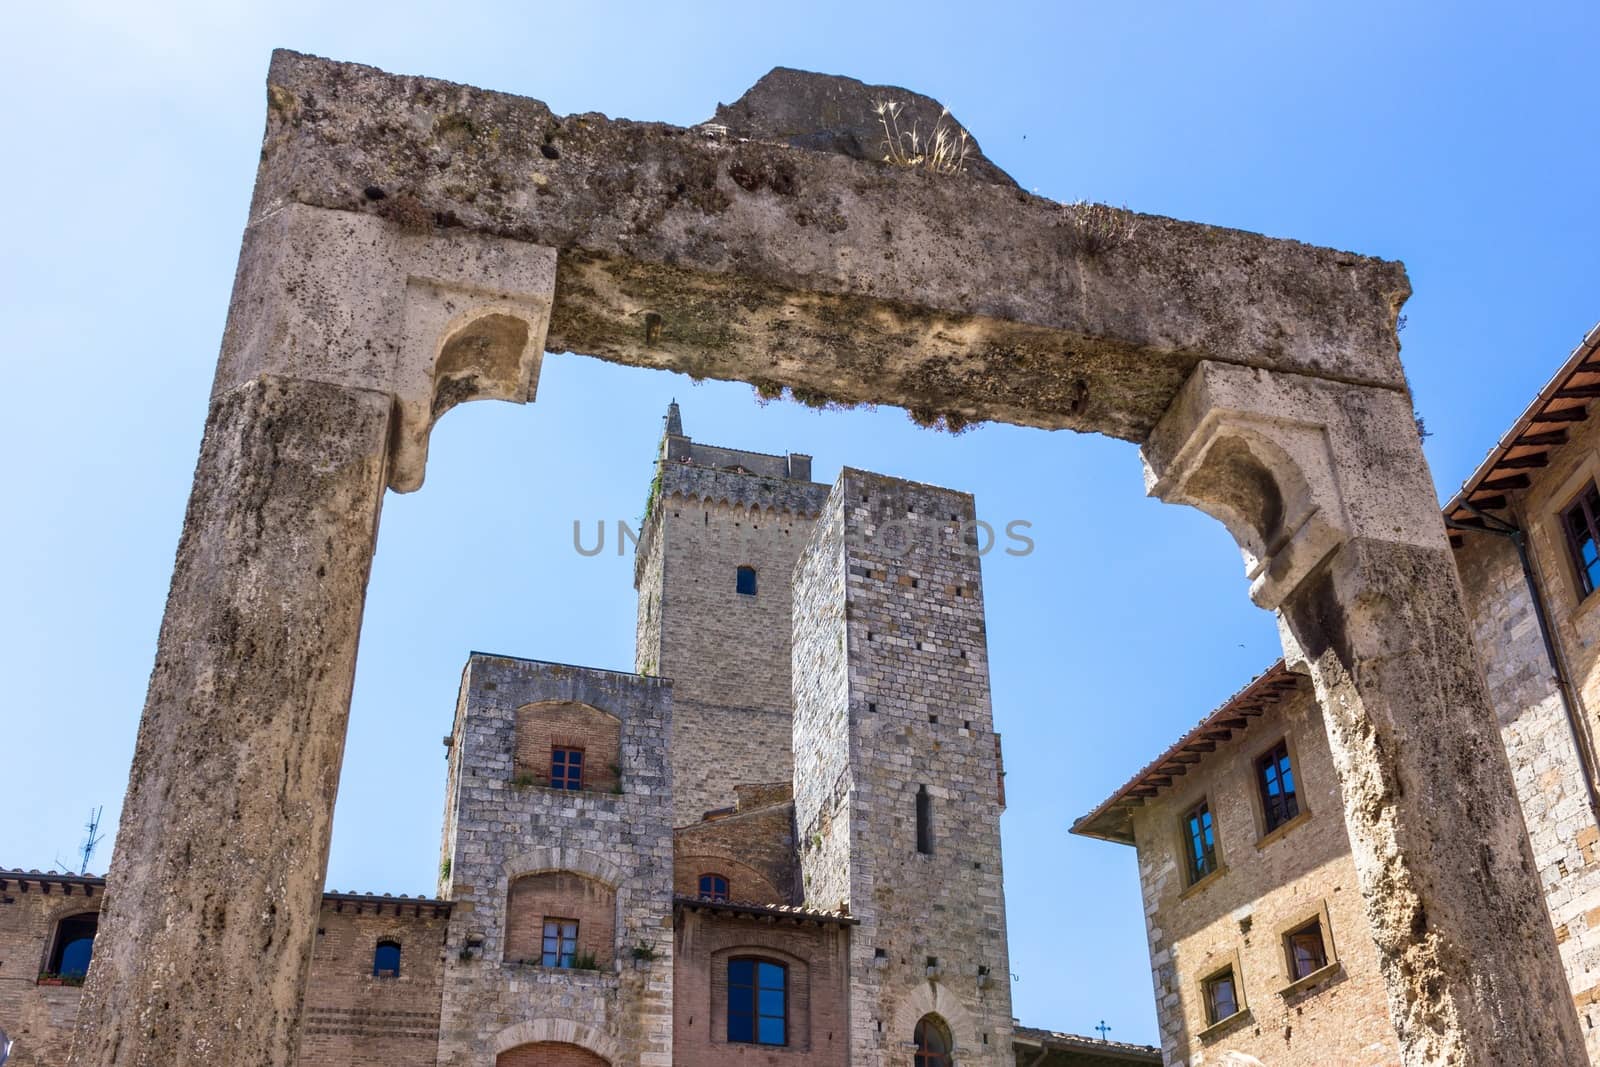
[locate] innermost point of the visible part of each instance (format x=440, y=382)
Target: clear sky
x=1460, y=138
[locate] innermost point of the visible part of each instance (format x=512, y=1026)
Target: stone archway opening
x=1261, y=378
x=550, y=1054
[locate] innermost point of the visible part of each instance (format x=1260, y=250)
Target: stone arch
x=555, y=858
x=935, y=998
x=558, y=1032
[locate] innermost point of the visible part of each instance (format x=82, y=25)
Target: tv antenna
x=89, y=842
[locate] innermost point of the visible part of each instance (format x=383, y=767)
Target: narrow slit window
x=1200, y=841
x=560, y=942
x=1581, y=521
x=1308, y=953
x=1221, y=996
x=386, y=960
x=744, y=581
x=758, y=1002
x=1275, y=779
x=924, y=821
x=713, y=887
x=566, y=768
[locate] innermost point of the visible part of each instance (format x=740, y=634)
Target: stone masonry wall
x=1265, y=885
x=727, y=654
x=914, y=712
x=39, y=1018
x=622, y=839
x=1533, y=721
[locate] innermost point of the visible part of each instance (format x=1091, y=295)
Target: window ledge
x=1222, y=1026
x=1283, y=829
x=1195, y=887
x=1316, y=977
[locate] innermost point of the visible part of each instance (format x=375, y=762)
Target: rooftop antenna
x=94, y=837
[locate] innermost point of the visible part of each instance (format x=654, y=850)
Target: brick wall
x=1266, y=884
x=541, y=727
x=893, y=696
x=353, y=1019
x=549, y=1054
x=754, y=850
x=817, y=959
x=561, y=895
x=38, y=1018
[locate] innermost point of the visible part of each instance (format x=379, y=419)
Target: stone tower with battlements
x=711, y=512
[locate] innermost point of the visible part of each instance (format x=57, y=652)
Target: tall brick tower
x=721, y=534
x=896, y=765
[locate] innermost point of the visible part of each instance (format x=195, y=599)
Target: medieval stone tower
x=897, y=776
x=713, y=569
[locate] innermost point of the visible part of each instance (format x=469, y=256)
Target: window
x=1221, y=996
x=933, y=1042
x=745, y=581
x=386, y=960
x=713, y=887
x=566, y=768
x=924, y=821
x=758, y=1002
x=74, y=945
x=560, y=942
x=1199, y=840
x=1581, y=520
x=1307, y=952
x=1275, y=780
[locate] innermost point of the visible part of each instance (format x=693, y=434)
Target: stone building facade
x=787, y=855
x=1526, y=535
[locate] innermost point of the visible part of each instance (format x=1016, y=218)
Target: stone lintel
x=857, y=280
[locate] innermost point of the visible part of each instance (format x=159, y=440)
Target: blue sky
x=1459, y=138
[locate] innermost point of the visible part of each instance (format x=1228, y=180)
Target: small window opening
x=566, y=768
x=1581, y=520
x=880, y=953
x=1200, y=843
x=1221, y=996
x=74, y=945
x=1275, y=780
x=745, y=581
x=713, y=887
x=560, y=942
x=386, y=960
x=924, y=821
x=1308, y=953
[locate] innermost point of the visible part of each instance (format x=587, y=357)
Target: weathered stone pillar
x=347, y=338
x=212, y=899
x=1325, y=487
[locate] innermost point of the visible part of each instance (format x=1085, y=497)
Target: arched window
x=74, y=945
x=924, y=821
x=758, y=1001
x=745, y=581
x=386, y=960
x=934, y=1046
x=713, y=887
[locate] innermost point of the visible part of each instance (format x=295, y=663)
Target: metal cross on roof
x=1103, y=1029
